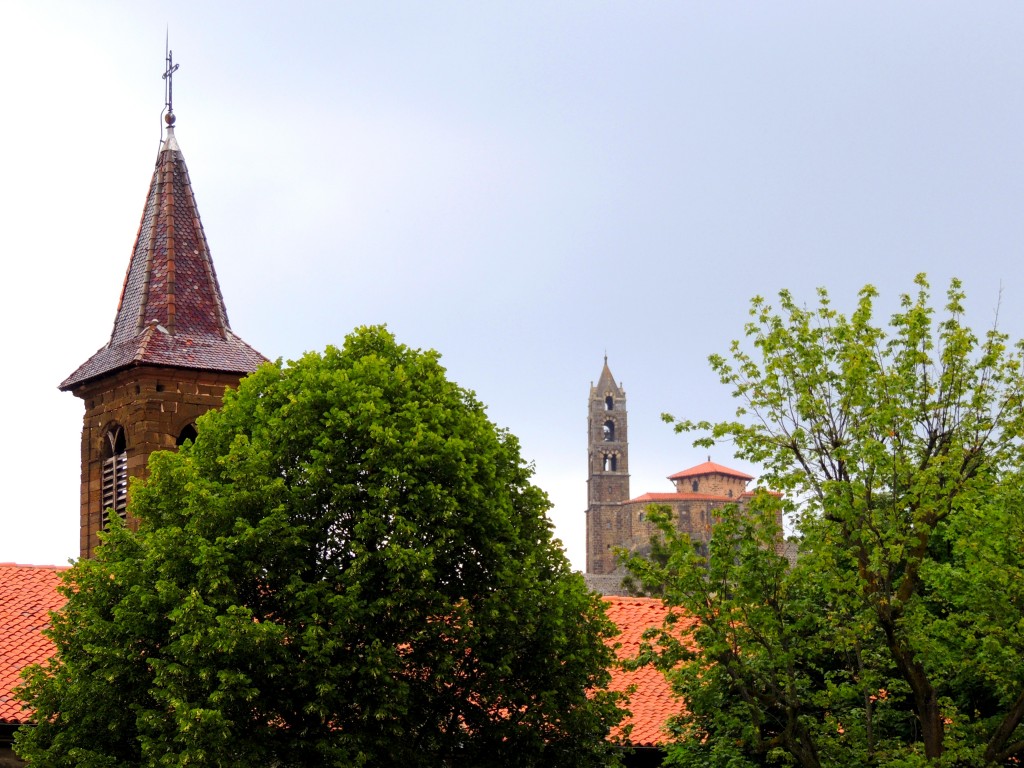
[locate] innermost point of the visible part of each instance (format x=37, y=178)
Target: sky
x=523, y=186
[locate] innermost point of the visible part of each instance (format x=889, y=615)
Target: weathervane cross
x=169, y=77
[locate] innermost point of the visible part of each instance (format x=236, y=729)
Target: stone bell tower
x=171, y=353
x=608, y=471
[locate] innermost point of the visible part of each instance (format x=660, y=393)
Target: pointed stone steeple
x=171, y=353
x=606, y=382
x=608, y=471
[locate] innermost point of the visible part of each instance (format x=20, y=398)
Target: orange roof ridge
x=32, y=565
x=653, y=496
x=710, y=468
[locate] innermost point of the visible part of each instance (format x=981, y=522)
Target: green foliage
x=657, y=552
x=350, y=566
x=896, y=637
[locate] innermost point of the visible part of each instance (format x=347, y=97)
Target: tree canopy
x=350, y=566
x=895, y=638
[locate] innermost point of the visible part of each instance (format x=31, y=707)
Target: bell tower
x=171, y=353
x=608, y=471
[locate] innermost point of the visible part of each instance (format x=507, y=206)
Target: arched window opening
x=114, y=481
x=640, y=517
x=695, y=485
x=609, y=404
x=609, y=431
x=610, y=462
x=188, y=433
x=729, y=493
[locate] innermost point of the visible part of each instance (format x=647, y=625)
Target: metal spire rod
x=168, y=77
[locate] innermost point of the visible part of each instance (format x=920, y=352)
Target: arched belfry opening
x=171, y=353
x=188, y=433
x=114, y=477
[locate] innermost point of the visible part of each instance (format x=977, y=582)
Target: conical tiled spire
x=171, y=311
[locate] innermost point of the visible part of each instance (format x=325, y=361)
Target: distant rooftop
x=710, y=468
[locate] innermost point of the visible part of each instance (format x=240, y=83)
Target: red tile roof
x=29, y=592
x=27, y=595
x=653, y=702
x=171, y=310
x=653, y=498
x=710, y=468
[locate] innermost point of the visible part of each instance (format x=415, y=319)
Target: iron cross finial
x=168, y=88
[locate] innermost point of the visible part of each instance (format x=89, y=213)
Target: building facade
x=617, y=521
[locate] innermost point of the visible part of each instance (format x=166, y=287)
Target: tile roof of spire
x=171, y=311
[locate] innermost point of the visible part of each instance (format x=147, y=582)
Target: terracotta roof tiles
x=710, y=468
x=653, y=498
x=652, y=702
x=27, y=595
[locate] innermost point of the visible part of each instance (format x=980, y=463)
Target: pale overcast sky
x=522, y=186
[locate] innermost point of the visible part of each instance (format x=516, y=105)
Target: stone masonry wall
x=152, y=405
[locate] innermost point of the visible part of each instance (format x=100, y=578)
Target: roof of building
x=171, y=311
x=29, y=592
x=710, y=468
x=27, y=595
x=652, y=702
x=653, y=498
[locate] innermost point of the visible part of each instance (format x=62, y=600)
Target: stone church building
x=615, y=520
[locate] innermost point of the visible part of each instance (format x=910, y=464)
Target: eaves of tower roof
x=710, y=468
x=171, y=311
x=27, y=595
x=155, y=346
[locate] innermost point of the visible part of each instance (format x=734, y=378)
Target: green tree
x=896, y=637
x=350, y=566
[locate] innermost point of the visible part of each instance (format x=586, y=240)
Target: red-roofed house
x=27, y=595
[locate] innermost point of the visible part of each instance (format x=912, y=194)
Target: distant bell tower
x=170, y=355
x=608, y=471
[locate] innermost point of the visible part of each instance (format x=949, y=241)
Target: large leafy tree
x=350, y=566
x=895, y=638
